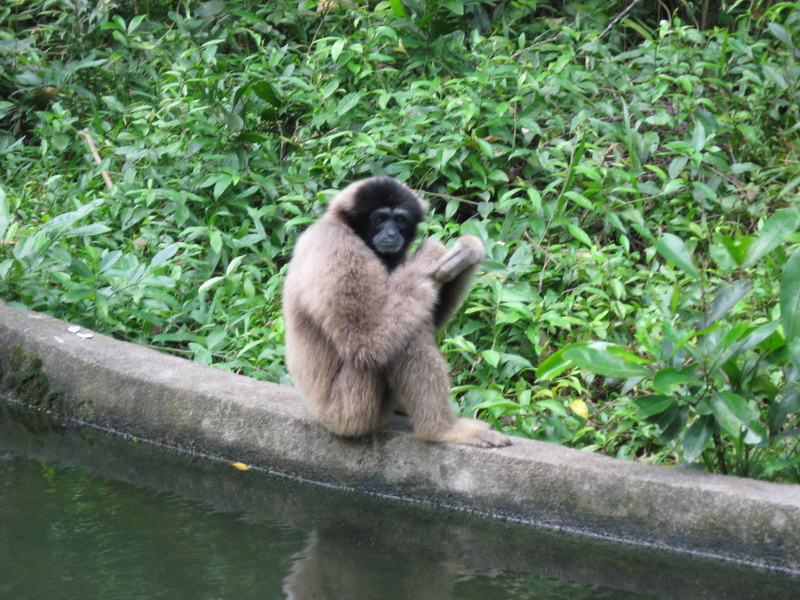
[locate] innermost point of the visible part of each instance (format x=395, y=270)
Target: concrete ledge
x=145, y=393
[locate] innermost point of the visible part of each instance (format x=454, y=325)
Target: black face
x=385, y=216
x=388, y=231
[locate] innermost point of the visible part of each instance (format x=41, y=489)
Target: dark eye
x=379, y=220
x=399, y=220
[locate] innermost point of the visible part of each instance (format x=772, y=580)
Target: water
x=87, y=515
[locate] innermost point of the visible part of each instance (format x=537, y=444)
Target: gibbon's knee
x=420, y=384
x=357, y=405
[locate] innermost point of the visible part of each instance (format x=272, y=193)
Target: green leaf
x=789, y=186
x=5, y=267
x=579, y=234
x=78, y=294
x=774, y=232
x=672, y=422
x=329, y=88
x=109, y=260
x=336, y=49
x=698, y=136
x=736, y=248
x=756, y=336
x=626, y=355
x=496, y=403
x=446, y=154
x=135, y=22
x=267, y=93
x=697, y=437
x=653, y=405
x=70, y=217
x=676, y=166
x=780, y=33
x=207, y=285
x=790, y=297
x=718, y=349
x=595, y=357
x=397, y=8
x=113, y=103
x=93, y=229
x=666, y=380
x=725, y=301
x=673, y=186
x=553, y=406
x=215, y=241
x=674, y=250
x=702, y=190
x=210, y=9
x=579, y=199
x=163, y=255
x=735, y=415
x=28, y=249
x=554, y=365
x=5, y=217
x=81, y=269
x=455, y=6
x=789, y=403
x=223, y=182
x=347, y=103
x=492, y=357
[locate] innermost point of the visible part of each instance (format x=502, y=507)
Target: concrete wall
x=142, y=392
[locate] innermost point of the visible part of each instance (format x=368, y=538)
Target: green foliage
x=720, y=379
x=636, y=188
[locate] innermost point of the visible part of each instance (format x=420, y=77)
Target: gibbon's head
x=384, y=213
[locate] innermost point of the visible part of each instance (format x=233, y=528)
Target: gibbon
x=362, y=316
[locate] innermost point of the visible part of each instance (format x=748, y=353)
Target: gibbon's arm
x=368, y=314
x=455, y=272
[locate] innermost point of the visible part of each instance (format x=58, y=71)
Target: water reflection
x=335, y=567
x=210, y=531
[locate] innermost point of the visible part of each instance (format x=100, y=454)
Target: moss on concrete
x=26, y=380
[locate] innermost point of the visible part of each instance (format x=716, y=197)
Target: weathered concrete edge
x=174, y=401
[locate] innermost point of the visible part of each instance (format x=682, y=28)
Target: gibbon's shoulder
x=324, y=237
x=330, y=249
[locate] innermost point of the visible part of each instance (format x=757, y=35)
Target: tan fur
x=360, y=341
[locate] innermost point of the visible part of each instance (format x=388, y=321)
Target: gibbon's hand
x=430, y=253
x=424, y=263
x=467, y=251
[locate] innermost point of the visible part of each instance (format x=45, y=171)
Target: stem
x=96, y=155
x=723, y=466
x=617, y=19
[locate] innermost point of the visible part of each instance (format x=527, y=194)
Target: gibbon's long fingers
x=426, y=259
x=475, y=244
x=467, y=251
x=489, y=439
x=472, y=432
x=455, y=263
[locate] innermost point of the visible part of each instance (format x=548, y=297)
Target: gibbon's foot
x=472, y=432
